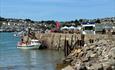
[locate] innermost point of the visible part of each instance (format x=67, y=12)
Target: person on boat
x=22, y=41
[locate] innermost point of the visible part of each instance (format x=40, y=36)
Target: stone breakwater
x=56, y=40
x=97, y=56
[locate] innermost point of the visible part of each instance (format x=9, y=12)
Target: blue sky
x=57, y=9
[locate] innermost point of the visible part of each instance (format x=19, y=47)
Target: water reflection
x=43, y=60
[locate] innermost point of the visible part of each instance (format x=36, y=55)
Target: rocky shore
x=95, y=56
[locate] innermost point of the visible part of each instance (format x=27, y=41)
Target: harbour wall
x=56, y=40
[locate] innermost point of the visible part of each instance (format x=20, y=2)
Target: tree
x=80, y=20
x=77, y=22
x=28, y=20
x=72, y=21
x=3, y=19
x=97, y=21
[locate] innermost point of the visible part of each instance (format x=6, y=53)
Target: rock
x=102, y=42
x=83, y=67
x=107, y=66
x=91, y=47
x=88, y=65
x=81, y=54
x=113, y=67
x=85, y=59
x=73, y=53
x=93, y=55
x=86, y=48
x=77, y=65
x=89, y=53
x=97, y=66
x=97, y=56
x=112, y=52
x=68, y=61
x=79, y=50
x=68, y=68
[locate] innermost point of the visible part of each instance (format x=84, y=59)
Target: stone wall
x=56, y=40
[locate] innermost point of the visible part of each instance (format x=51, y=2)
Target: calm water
x=12, y=58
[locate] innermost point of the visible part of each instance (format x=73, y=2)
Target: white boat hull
x=29, y=47
x=34, y=44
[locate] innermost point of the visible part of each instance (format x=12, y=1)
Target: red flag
x=58, y=25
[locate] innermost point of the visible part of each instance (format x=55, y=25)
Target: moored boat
x=33, y=44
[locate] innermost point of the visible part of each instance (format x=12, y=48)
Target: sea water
x=12, y=58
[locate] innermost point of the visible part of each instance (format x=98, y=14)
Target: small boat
x=33, y=44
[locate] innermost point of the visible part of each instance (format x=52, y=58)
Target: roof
x=84, y=23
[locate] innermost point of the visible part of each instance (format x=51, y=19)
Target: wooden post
x=59, y=43
x=110, y=34
x=74, y=46
x=68, y=48
x=71, y=42
x=65, y=47
x=52, y=41
x=82, y=40
x=75, y=38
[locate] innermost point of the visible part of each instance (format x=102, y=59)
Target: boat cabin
x=35, y=42
x=88, y=28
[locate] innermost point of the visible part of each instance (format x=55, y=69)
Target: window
x=89, y=28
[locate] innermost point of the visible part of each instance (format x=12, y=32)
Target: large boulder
x=68, y=68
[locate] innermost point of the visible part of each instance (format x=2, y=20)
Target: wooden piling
x=59, y=43
x=71, y=42
x=52, y=41
x=68, y=48
x=75, y=38
x=82, y=40
x=65, y=45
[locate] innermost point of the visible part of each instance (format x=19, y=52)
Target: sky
x=59, y=10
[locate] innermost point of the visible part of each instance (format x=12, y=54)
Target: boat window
x=89, y=28
x=37, y=41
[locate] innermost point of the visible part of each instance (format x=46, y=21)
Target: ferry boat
x=33, y=44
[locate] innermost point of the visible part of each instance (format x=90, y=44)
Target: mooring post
x=75, y=38
x=65, y=47
x=59, y=43
x=74, y=46
x=52, y=41
x=82, y=40
x=68, y=48
x=71, y=42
